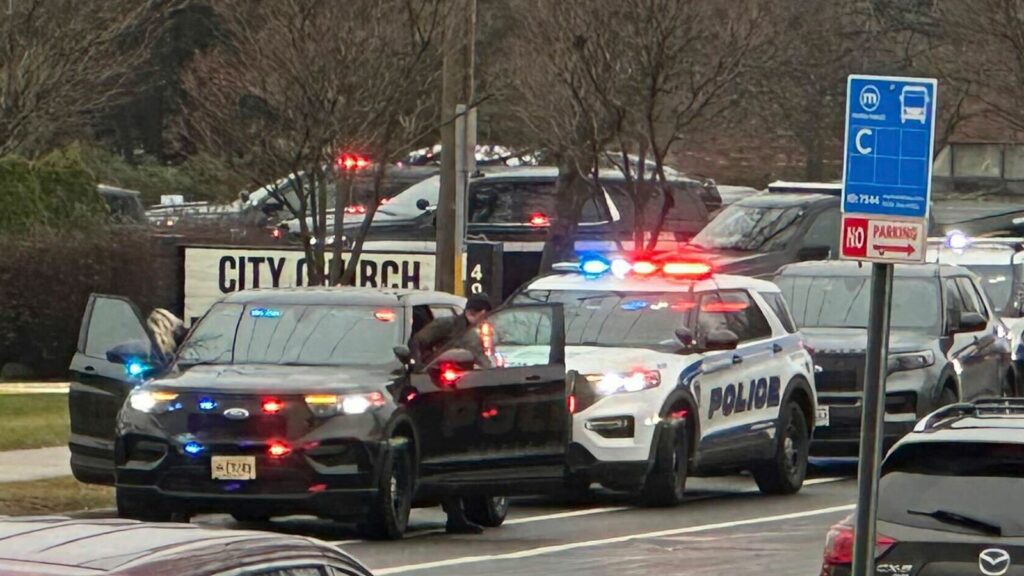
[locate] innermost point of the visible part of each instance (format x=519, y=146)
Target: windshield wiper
x=949, y=517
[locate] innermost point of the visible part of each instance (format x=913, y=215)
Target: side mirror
x=721, y=340
x=244, y=196
x=403, y=354
x=684, y=336
x=972, y=322
x=814, y=253
x=422, y=204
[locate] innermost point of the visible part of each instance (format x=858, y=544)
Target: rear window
x=954, y=486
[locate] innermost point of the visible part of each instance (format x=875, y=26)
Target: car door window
x=442, y=311
x=824, y=231
x=778, y=305
x=516, y=337
x=512, y=203
x=732, y=310
x=113, y=321
x=954, y=305
x=972, y=300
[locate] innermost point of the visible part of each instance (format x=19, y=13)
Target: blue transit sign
x=890, y=130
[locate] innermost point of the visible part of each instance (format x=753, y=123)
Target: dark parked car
x=306, y=401
x=66, y=547
x=946, y=344
x=758, y=234
x=949, y=497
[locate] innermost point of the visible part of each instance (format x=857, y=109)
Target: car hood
x=259, y=378
x=855, y=340
x=737, y=262
x=600, y=359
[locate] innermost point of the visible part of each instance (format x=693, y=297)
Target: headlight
x=152, y=401
x=615, y=383
x=911, y=360
x=324, y=405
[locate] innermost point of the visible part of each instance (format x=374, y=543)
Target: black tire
x=487, y=511
x=389, y=515
x=666, y=482
x=140, y=509
x=250, y=518
x=785, y=472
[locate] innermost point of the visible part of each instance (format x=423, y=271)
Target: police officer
x=457, y=330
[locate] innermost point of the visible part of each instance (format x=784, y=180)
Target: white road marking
x=605, y=541
x=588, y=511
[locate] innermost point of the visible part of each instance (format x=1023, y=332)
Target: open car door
x=99, y=386
x=501, y=425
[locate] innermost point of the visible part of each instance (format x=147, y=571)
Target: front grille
x=839, y=373
x=217, y=426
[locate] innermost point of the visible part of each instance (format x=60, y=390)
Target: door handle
x=776, y=348
x=89, y=369
x=737, y=359
x=534, y=378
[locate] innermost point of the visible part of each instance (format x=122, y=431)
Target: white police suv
x=679, y=371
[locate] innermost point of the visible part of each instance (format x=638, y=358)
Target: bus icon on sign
x=914, y=104
x=870, y=98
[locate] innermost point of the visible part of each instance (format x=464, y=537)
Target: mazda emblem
x=994, y=562
x=236, y=413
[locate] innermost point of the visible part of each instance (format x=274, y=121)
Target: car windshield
x=997, y=281
x=842, y=302
x=293, y=335
x=750, y=229
x=628, y=319
x=971, y=485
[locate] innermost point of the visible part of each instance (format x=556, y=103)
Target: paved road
x=726, y=527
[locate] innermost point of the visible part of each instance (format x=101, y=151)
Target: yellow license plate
x=233, y=467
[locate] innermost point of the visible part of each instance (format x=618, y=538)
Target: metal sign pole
x=872, y=419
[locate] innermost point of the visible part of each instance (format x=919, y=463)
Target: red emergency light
x=272, y=405
x=539, y=220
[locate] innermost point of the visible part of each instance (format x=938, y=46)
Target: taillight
x=539, y=220
x=839, y=545
x=385, y=315
x=355, y=209
x=277, y=233
x=450, y=374
x=572, y=403
x=272, y=405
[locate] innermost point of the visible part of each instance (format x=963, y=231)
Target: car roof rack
x=980, y=407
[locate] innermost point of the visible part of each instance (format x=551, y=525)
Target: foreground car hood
x=601, y=359
x=279, y=379
x=855, y=340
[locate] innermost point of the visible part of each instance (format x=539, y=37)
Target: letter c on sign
x=865, y=150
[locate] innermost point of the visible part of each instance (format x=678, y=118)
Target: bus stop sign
x=887, y=169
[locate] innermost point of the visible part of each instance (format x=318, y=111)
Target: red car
x=66, y=547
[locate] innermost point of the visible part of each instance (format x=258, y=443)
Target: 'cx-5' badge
x=994, y=562
x=236, y=413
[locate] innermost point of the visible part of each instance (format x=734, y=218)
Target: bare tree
x=684, y=62
x=63, y=62
x=302, y=82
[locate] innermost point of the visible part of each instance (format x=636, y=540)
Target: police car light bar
x=957, y=240
x=595, y=266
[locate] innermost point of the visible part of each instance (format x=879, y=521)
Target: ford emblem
x=236, y=413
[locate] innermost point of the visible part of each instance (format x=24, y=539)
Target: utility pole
x=457, y=88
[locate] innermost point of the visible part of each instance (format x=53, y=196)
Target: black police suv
x=946, y=344
x=306, y=401
x=758, y=234
x=949, y=497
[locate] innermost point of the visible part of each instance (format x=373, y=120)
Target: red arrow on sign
x=883, y=248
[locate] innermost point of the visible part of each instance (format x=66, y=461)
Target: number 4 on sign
x=477, y=273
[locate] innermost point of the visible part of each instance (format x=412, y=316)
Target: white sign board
x=212, y=273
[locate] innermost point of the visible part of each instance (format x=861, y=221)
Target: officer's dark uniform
x=457, y=332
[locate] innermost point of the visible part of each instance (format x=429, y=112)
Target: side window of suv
x=511, y=203
x=954, y=304
x=972, y=300
x=778, y=305
x=824, y=231
x=732, y=310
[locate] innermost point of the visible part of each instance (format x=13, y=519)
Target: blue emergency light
x=207, y=404
x=593, y=265
x=193, y=448
x=136, y=368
